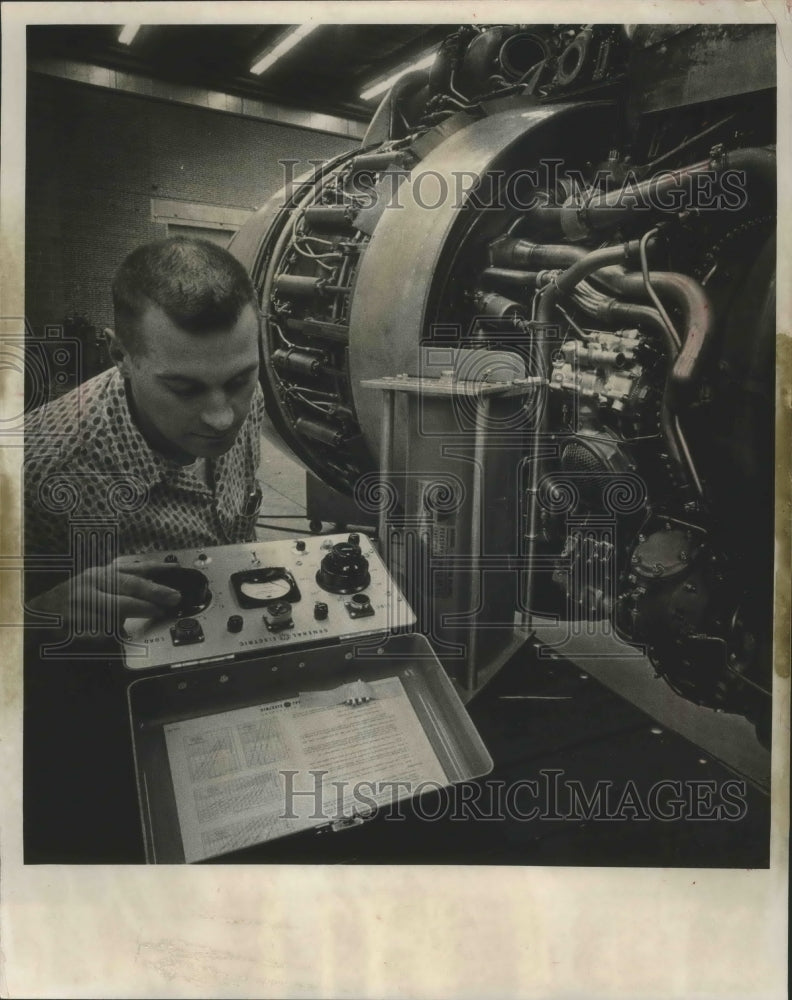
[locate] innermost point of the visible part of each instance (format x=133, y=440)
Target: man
x=160, y=451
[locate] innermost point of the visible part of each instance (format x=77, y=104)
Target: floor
x=547, y=723
x=283, y=502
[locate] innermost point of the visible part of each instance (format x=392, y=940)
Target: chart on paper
x=250, y=775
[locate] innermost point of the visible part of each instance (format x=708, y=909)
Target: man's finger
x=140, y=567
x=131, y=607
x=127, y=585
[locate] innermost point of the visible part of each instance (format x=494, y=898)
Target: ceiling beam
x=177, y=93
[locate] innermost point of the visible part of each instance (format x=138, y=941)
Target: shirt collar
x=151, y=466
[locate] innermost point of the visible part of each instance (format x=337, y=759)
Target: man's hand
x=95, y=599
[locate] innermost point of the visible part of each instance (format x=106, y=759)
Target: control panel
x=262, y=596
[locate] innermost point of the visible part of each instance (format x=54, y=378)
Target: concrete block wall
x=96, y=157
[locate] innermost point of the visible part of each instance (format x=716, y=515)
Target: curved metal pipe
x=577, y=262
x=688, y=296
x=650, y=290
x=684, y=292
x=383, y=126
x=447, y=55
x=756, y=161
x=511, y=252
x=591, y=262
x=510, y=279
x=545, y=316
x=480, y=60
x=609, y=209
x=682, y=364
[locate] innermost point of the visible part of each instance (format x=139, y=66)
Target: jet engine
x=601, y=199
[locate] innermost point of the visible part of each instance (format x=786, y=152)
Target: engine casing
x=553, y=189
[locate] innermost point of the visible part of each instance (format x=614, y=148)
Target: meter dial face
x=267, y=590
x=257, y=588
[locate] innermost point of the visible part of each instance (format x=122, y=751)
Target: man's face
x=191, y=391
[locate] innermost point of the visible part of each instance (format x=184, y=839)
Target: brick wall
x=95, y=158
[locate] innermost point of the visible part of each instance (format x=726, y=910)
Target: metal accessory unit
x=460, y=569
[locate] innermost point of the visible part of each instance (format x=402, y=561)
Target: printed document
x=253, y=774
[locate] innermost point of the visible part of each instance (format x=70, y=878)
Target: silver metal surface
x=150, y=643
x=388, y=318
x=624, y=669
x=386, y=453
x=476, y=526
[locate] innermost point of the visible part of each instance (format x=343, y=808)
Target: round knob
x=354, y=538
x=300, y=545
x=191, y=584
x=320, y=611
x=187, y=628
x=361, y=600
x=278, y=613
x=344, y=570
x=234, y=623
x=202, y=557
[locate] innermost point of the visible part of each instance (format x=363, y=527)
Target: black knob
x=344, y=570
x=234, y=623
x=320, y=611
x=202, y=557
x=187, y=628
x=191, y=584
x=361, y=600
x=300, y=546
x=354, y=538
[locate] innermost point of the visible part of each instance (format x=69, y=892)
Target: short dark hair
x=200, y=286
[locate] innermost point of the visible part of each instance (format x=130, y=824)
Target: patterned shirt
x=94, y=488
